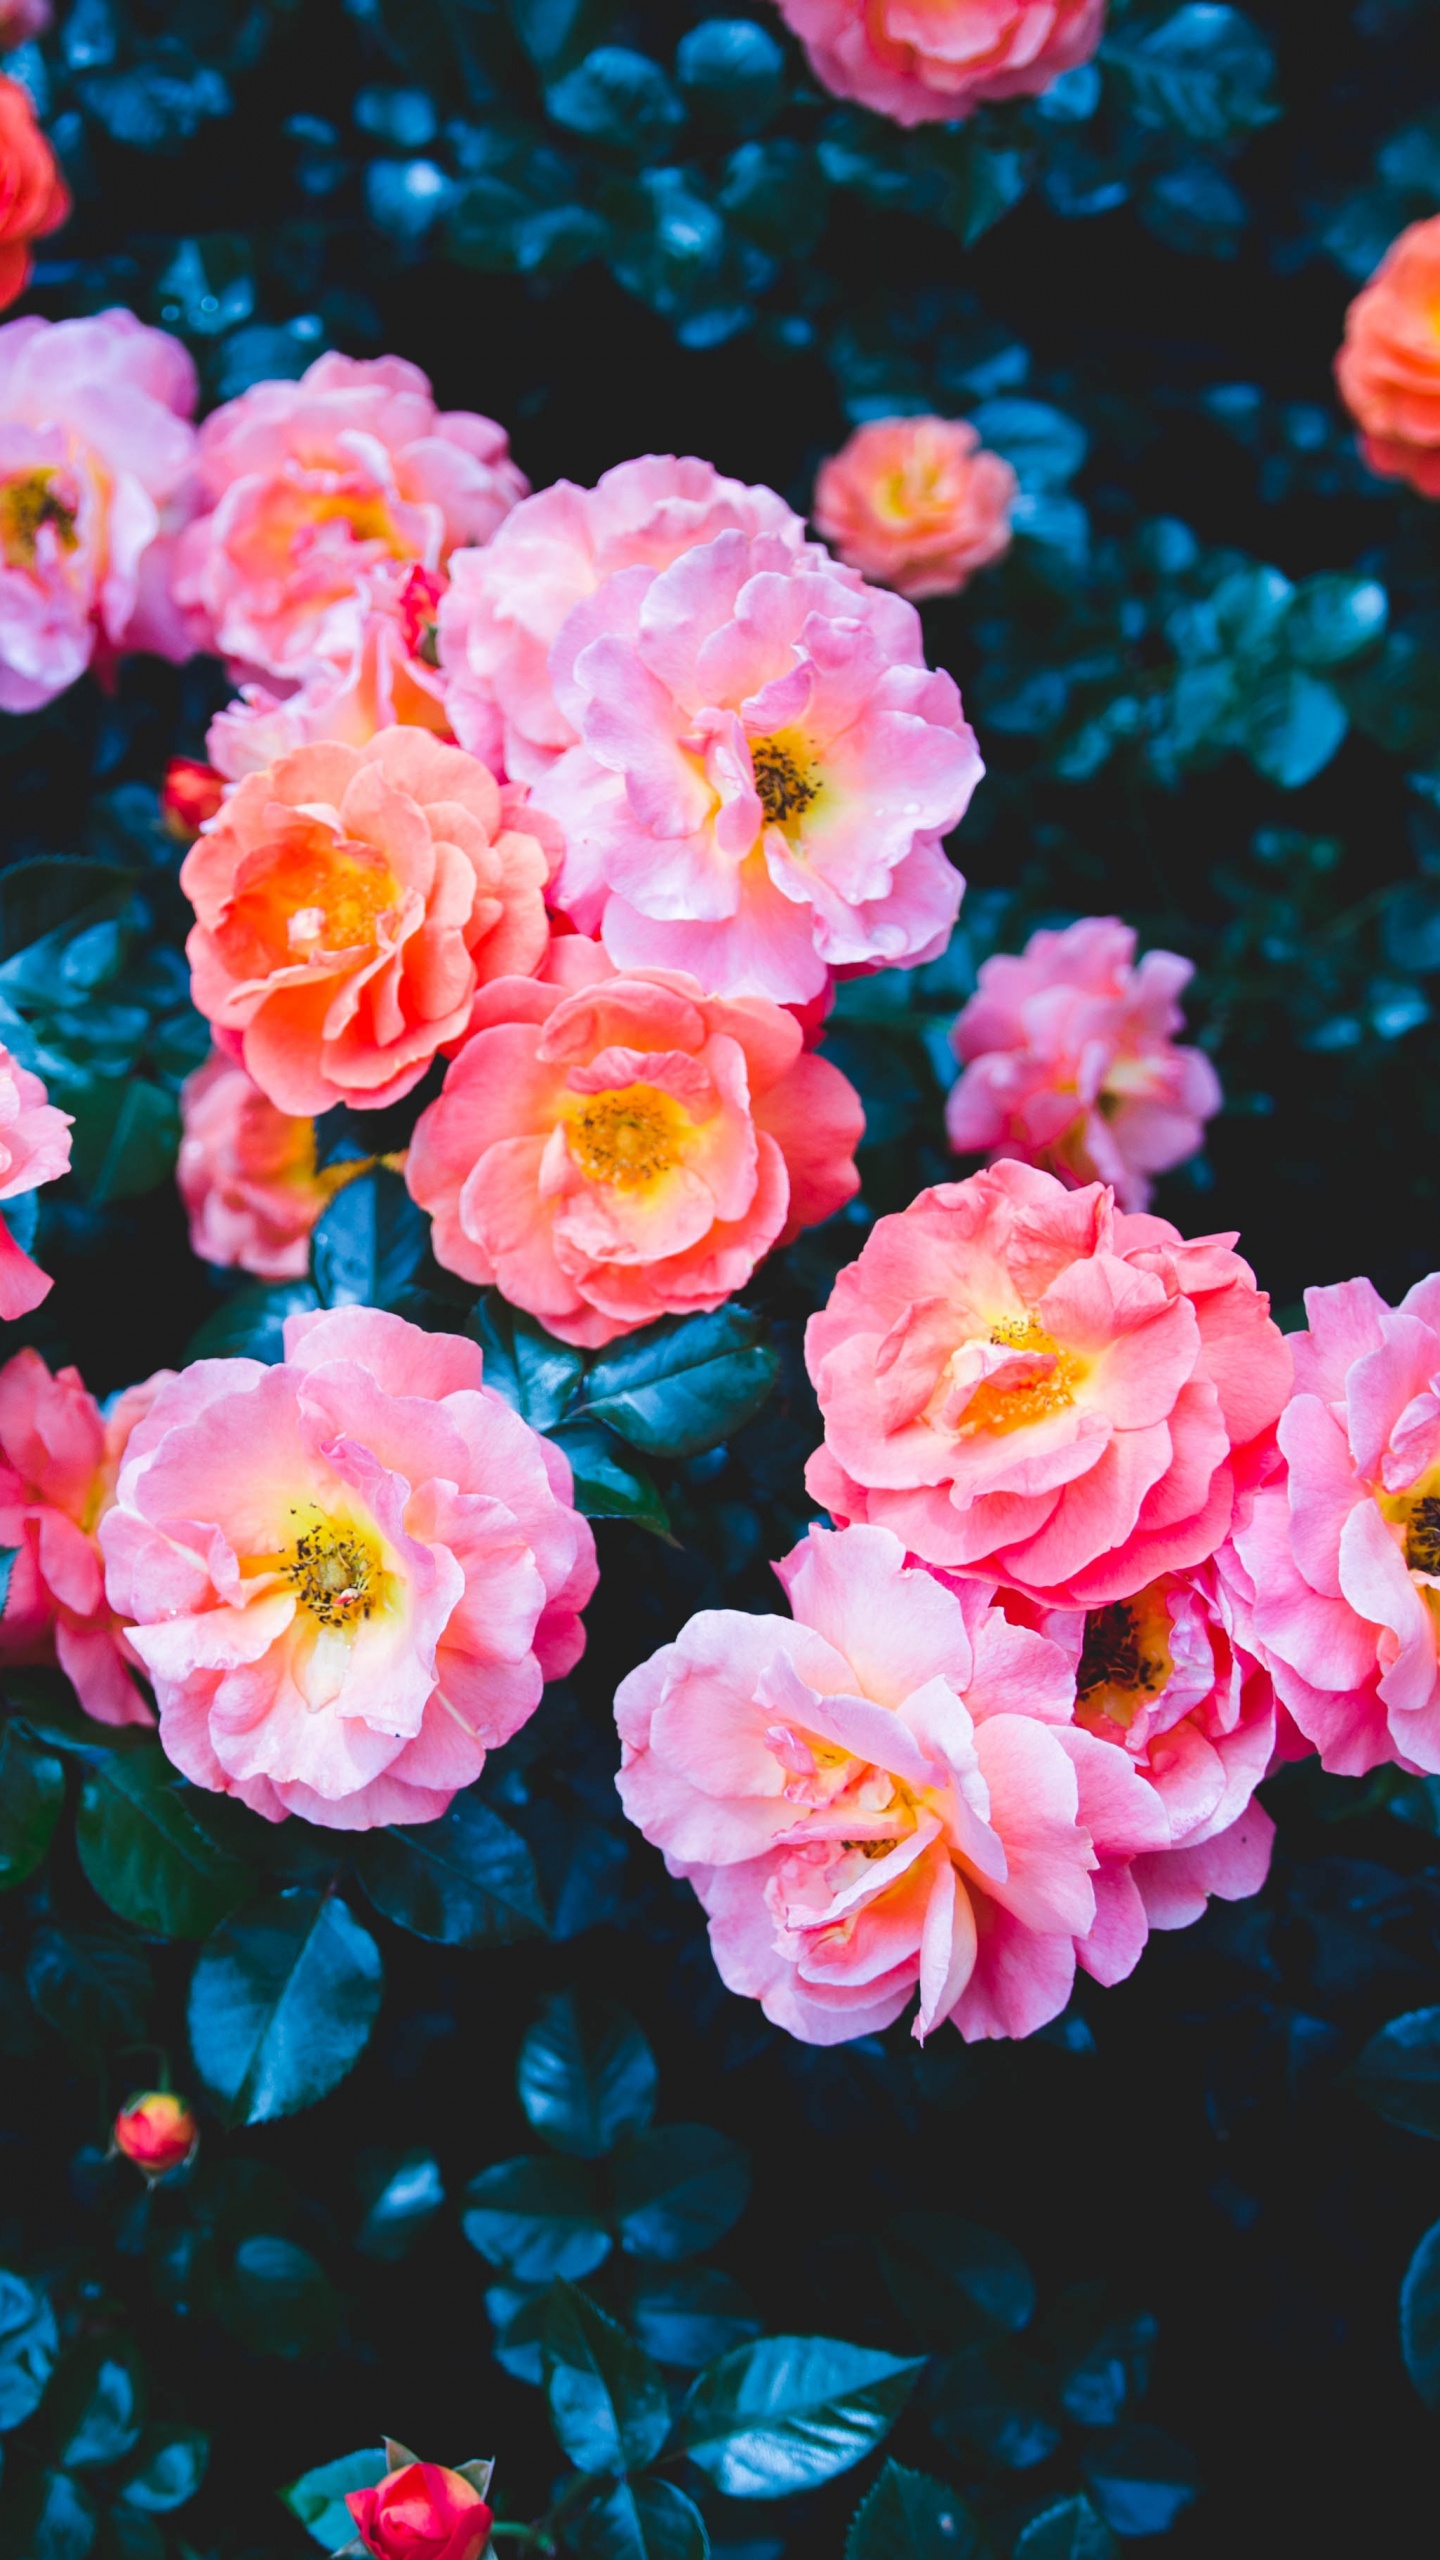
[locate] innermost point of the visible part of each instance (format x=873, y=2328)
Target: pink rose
x=1070, y=1061
x=34, y=1148
x=1340, y=1563
x=1026, y=1385
x=377, y=683
x=309, y=486
x=96, y=449
x=766, y=772
x=58, y=1462
x=916, y=503
x=247, y=1175
x=887, y=1794
x=614, y=1147
x=421, y=2512
x=928, y=61
x=348, y=1575
x=506, y=603
x=349, y=902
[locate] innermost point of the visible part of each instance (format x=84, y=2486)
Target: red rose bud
x=189, y=795
x=157, y=2131
x=422, y=2512
x=419, y=604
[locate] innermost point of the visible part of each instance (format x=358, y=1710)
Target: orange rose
x=1389, y=367
x=34, y=198
x=916, y=504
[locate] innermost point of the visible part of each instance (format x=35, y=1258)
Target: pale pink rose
x=248, y=1176
x=506, y=604
x=34, y=1148
x=1025, y=1384
x=349, y=902
x=378, y=682
x=1070, y=1061
x=766, y=772
x=916, y=503
x=887, y=1794
x=927, y=61
x=58, y=1462
x=96, y=455
x=610, y=1147
x=347, y=1575
x=310, y=486
x=1339, y=1568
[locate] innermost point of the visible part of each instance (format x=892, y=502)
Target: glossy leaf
x=53, y=894
x=60, y=2521
x=249, y=1325
x=282, y=2001
x=676, y=1389
x=1069, y=2531
x=277, y=2299
x=608, y=2402
x=465, y=1880
x=997, y=2401
x=641, y=2520
x=691, y=2315
x=146, y=1850
x=403, y=2205
x=586, y=2076
x=534, y=1373
x=1398, y=2072
x=370, y=1244
x=317, y=2498
x=95, y=1990
x=167, y=2471
x=677, y=2189
x=954, y=2279
x=607, y=1484
x=97, y=2407
x=537, y=2218
x=1140, y=2479
x=32, y=1791
x=1420, y=2318
x=909, y=2516
x=29, y=2345
x=787, y=2413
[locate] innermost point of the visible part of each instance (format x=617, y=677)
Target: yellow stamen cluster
x=335, y=1572
x=626, y=1137
x=997, y=1407
x=1422, y=1535
x=785, y=783
x=1122, y=1663
x=26, y=504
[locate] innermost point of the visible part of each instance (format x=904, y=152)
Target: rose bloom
x=95, y=456
x=248, y=1176
x=613, y=1147
x=887, y=1794
x=1070, y=1061
x=157, y=2131
x=421, y=2512
x=916, y=503
x=34, y=1148
x=59, y=1458
x=349, y=901
x=928, y=61
x=766, y=772
x=34, y=199
x=347, y=1575
x=507, y=603
x=1342, y=1557
x=1388, y=369
x=1028, y=1385
x=309, y=486
x=377, y=682
x=190, y=794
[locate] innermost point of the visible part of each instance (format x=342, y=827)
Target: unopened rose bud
x=190, y=794
x=423, y=2512
x=157, y=2131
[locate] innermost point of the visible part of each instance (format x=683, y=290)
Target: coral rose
x=765, y=775
x=347, y=1575
x=380, y=684
x=1070, y=1061
x=95, y=455
x=34, y=1148
x=34, y=199
x=1342, y=1558
x=1028, y=1386
x=916, y=503
x=620, y=1146
x=190, y=794
x=349, y=901
x=310, y=486
x=507, y=603
x=886, y=1795
x=248, y=1176
x=157, y=2131
x=923, y=61
x=1388, y=369
x=421, y=2512
x=58, y=1462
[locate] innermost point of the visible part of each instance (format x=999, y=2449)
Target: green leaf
x=8, y=1554
x=96, y=2407
x=29, y=2345
x=537, y=2219
x=909, y=2516
x=368, y=1247
x=996, y=2401
x=556, y=33
x=282, y=2001
x=1043, y=446
x=147, y=1853
x=1140, y=2479
x=126, y=1138
x=410, y=2194
x=537, y=1376
x=277, y=2299
x=466, y=1880
x=167, y=2471
x=32, y=1790
x=786, y=2413
x=954, y=2279
x=678, y=2189
x=131, y=2535
x=1294, y=724
x=586, y=2076
x=1420, y=2318
x=250, y=1324
x=1398, y=2072
x=59, y=2519
x=692, y=2315
x=58, y=894
x=1333, y=618
x=317, y=2498
x=621, y=98
x=676, y=1389
x=608, y=2402
x=641, y=2520
x=1206, y=71
x=607, y=1486
x=95, y=1990
x=1070, y=2531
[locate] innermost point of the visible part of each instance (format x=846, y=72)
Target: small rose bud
x=189, y=795
x=422, y=2512
x=157, y=2131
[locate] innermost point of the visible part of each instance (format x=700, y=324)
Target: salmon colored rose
x=349, y=902
x=619, y=1146
x=248, y=1176
x=421, y=2512
x=34, y=199
x=157, y=2131
x=1027, y=1385
x=1388, y=369
x=917, y=504
x=382, y=683
x=923, y=61
x=190, y=795
x=34, y=1148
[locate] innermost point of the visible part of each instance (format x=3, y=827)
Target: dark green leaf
x=787, y=2413
x=537, y=2218
x=607, y=1485
x=146, y=1850
x=278, y=2300
x=60, y=2522
x=250, y=1324
x=556, y=33
x=678, y=1388
x=995, y=2400
x=95, y=1990
x=1043, y=446
x=131, y=2535
x=954, y=2279
x=608, y=2402
x=909, y=2516
x=282, y=2002
x=619, y=97
x=1398, y=2072
x=1206, y=71
x=1332, y=618
x=1294, y=724
x=692, y=2315
x=1140, y=2479
x=404, y=2204
x=96, y=2407
x=126, y=1138
x=517, y=2315
x=1419, y=2318
x=1070, y=2531
x=167, y=2471
x=534, y=1373
x=641, y=2520
x=32, y=1790
x=368, y=1248
x=29, y=2344
x=466, y=1880
x=586, y=2076
x=318, y=2497
x=9, y=1554
x=732, y=71
x=54, y=893
x=678, y=2189
x=1111, y=2374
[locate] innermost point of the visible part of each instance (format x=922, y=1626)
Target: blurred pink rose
x=766, y=772
x=613, y=1148
x=380, y=684
x=348, y=1575
x=58, y=1462
x=506, y=604
x=886, y=1794
x=923, y=61
x=247, y=1175
x=1026, y=1385
x=915, y=503
x=21, y=21
x=96, y=449
x=34, y=1148
x=309, y=486
x=1070, y=1061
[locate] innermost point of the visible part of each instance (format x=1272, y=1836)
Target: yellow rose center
x=628, y=1136
x=335, y=1571
x=997, y=1407
x=785, y=778
x=1416, y=1513
x=334, y=902
x=1124, y=1660
x=25, y=505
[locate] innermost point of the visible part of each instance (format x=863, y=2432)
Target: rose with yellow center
x=29, y=504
